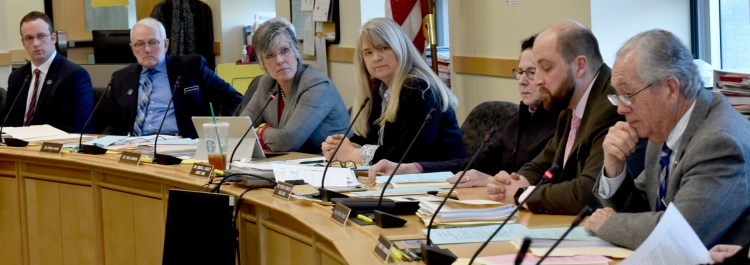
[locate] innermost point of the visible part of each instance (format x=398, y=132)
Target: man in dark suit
x=698, y=154
x=573, y=77
x=50, y=89
x=141, y=93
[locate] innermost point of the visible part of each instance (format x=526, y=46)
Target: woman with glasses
x=524, y=136
x=403, y=89
x=307, y=106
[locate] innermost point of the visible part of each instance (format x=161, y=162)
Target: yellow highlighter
x=397, y=254
x=364, y=218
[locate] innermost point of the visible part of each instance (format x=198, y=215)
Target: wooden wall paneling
x=131, y=233
x=77, y=219
x=70, y=15
x=483, y=66
x=251, y=242
x=283, y=249
x=10, y=218
x=149, y=229
x=143, y=8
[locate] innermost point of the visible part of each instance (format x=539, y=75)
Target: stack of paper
x=42, y=133
x=577, y=242
x=465, y=212
x=436, y=179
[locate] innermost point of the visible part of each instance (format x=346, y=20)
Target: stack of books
x=465, y=212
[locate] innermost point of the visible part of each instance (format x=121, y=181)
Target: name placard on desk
x=132, y=158
x=52, y=148
x=201, y=170
x=383, y=248
x=283, y=190
x=341, y=214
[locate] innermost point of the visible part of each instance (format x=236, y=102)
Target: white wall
x=232, y=16
x=614, y=22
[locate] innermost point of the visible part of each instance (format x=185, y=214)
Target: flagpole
x=431, y=33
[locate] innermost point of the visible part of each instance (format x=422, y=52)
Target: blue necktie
x=665, y=152
x=146, y=81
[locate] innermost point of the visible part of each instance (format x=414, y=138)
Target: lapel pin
x=130, y=92
x=49, y=82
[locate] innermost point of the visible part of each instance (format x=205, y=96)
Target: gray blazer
x=313, y=111
x=708, y=181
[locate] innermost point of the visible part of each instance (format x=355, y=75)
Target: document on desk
x=577, y=242
x=673, y=241
x=395, y=192
x=416, y=178
x=509, y=259
x=335, y=177
x=476, y=234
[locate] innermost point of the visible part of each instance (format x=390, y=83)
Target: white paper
x=320, y=12
x=30, y=133
x=309, y=34
x=335, y=177
x=416, y=178
x=474, y=234
x=322, y=55
x=673, y=241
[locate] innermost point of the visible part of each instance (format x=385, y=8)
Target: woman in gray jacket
x=307, y=107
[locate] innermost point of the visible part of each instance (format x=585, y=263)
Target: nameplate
x=201, y=170
x=283, y=190
x=383, y=248
x=341, y=214
x=52, y=148
x=130, y=157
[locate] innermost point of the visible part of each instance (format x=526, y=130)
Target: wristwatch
x=519, y=191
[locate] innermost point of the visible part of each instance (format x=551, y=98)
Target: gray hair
x=272, y=32
x=152, y=24
x=661, y=54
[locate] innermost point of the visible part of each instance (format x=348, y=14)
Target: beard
x=560, y=100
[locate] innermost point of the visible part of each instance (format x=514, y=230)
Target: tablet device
x=250, y=147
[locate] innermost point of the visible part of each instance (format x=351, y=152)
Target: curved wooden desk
x=84, y=209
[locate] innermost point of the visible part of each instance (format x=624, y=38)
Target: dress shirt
x=43, y=69
x=160, y=96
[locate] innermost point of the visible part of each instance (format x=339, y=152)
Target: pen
x=364, y=218
x=312, y=162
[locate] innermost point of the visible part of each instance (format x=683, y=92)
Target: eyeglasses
x=625, y=99
x=530, y=72
x=41, y=38
x=153, y=44
x=343, y=164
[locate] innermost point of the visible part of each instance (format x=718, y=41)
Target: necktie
x=664, y=180
x=574, y=124
x=147, y=79
x=32, y=104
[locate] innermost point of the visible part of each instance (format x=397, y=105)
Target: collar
x=383, y=91
x=673, y=140
x=160, y=68
x=44, y=67
x=581, y=107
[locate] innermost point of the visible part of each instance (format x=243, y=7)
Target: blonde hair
x=384, y=32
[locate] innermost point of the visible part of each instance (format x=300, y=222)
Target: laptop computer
x=250, y=147
x=199, y=228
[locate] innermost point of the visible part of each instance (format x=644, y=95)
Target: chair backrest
x=62, y=42
x=3, y=93
x=99, y=121
x=483, y=117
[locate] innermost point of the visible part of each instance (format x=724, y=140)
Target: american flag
x=408, y=14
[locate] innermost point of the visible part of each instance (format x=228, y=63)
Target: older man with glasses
x=49, y=89
x=141, y=93
x=698, y=154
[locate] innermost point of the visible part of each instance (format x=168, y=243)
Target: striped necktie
x=146, y=81
x=32, y=105
x=664, y=180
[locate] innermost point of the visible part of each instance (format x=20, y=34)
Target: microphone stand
x=325, y=194
x=252, y=125
x=14, y=142
x=584, y=212
x=432, y=254
x=548, y=175
x=163, y=159
x=522, y=252
x=93, y=149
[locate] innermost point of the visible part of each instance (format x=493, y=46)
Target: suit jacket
x=708, y=181
x=313, y=111
x=570, y=190
x=198, y=86
x=523, y=137
x=65, y=101
x=439, y=140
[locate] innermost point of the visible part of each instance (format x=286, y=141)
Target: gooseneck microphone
x=547, y=176
x=325, y=194
x=163, y=159
x=252, y=125
x=584, y=212
x=432, y=254
x=93, y=149
x=522, y=251
x=14, y=141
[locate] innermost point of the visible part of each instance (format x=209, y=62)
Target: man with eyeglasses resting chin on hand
x=141, y=92
x=53, y=90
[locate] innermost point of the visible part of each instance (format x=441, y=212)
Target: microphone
x=93, y=149
x=325, y=194
x=161, y=158
x=584, y=212
x=252, y=125
x=522, y=252
x=382, y=218
x=14, y=141
x=430, y=252
x=548, y=175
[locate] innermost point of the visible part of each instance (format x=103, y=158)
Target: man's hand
x=385, y=167
x=619, y=143
x=503, y=186
x=720, y=252
x=473, y=178
x=597, y=219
